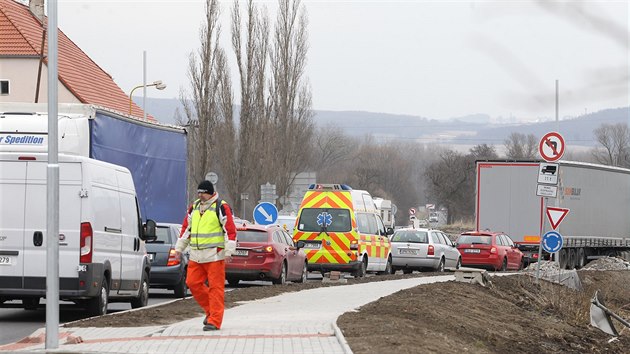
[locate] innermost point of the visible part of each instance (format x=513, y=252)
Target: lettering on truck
x=21, y=140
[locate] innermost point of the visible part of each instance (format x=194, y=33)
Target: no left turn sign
x=551, y=147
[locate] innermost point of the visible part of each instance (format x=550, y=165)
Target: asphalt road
x=17, y=323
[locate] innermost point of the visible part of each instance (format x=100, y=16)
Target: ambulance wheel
x=143, y=296
x=97, y=306
x=388, y=267
x=360, y=273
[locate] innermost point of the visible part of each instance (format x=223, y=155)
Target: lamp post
x=158, y=85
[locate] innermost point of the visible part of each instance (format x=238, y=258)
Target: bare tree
x=201, y=110
x=290, y=95
x=484, y=152
x=244, y=146
x=450, y=182
x=615, y=145
x=521, y=146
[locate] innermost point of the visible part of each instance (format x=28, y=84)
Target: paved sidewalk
x=296, y=322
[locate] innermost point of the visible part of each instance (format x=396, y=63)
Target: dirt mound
x=515, y=314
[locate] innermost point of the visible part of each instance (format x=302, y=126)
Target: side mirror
x=148, y=233
x=390, y=231
x=300, y=244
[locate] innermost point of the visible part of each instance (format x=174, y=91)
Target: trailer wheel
x=562, y=258
x=581, y=258
x=571, y=262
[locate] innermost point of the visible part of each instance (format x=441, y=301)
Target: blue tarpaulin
x=156, y=157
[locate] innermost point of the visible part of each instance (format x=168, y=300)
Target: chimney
x=37, y=9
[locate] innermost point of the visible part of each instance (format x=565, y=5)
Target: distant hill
x=466, y=130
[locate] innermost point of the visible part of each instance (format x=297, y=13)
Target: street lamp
x=158, y=85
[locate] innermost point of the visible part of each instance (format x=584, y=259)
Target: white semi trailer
x=597, y=196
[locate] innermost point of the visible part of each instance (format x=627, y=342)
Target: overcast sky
x=434, y=59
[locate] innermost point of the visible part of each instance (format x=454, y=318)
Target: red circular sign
x=412, y=211
x=551, y=147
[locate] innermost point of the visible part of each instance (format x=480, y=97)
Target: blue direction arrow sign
x=552, y=242
x=265, y=213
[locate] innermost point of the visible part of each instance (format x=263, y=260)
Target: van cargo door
x=12, y=190
x=35, y=235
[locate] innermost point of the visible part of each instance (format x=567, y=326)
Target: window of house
x=4, y=87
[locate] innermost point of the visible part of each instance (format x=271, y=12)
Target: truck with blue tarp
x=154, y=153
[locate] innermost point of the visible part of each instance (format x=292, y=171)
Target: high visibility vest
x=206, y=230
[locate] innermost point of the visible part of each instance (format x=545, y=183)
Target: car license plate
x=6, y=260
x=407, y=251
x=151, y=256
x=472, y=250
x=312, y=245
x=241, y=252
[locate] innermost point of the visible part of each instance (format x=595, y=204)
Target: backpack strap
x=216, y=209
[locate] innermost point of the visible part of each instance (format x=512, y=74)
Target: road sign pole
x=540, y=241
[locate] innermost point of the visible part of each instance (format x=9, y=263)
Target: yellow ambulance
x=342, y=230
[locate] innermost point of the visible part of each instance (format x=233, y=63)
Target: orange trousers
x=210, y=297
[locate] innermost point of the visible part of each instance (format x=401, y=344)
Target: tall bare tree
x=290, y=95
x=521, y=146
x=615, y=145
x=245, y=142
x=201, y=108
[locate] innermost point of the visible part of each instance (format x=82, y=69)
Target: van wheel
x=181, y=289
x=30, y=303
x=388, y=267
x=97, y=306
x=360, y=273
x=143, y=297
x=282, y=278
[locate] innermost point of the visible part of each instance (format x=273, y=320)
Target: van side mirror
x=148, y=231
x=390, y=231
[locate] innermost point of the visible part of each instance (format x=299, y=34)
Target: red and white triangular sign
x=556, y=215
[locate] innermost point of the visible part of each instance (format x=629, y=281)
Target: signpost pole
x=542, y=227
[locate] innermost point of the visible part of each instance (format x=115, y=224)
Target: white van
x=102, y=256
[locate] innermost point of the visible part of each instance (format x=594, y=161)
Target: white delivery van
x=102, y=256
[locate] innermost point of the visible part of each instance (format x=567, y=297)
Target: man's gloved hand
x=230, y=248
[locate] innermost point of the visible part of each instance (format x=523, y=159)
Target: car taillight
x=269, y=249
x=431, y=251
x=173, y=259
x=354, y=245
x=493, y=250
x=86, y=243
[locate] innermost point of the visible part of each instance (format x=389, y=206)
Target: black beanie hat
x=205, y=187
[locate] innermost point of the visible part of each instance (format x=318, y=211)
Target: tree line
x=272, y=136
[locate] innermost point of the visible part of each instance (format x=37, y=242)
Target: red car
x=494, y=250
x=266, y=253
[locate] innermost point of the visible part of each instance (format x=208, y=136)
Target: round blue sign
x=552, y=242
x=265, y=213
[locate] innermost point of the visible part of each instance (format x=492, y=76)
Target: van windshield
x=329, y=219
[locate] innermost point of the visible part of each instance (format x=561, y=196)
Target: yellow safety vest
x=206, y=230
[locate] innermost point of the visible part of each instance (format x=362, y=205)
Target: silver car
x=419, y=249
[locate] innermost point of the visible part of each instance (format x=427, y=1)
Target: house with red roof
x=23, y=64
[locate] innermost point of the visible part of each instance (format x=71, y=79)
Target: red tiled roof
x=21, y=35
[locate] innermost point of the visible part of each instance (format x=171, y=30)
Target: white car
x=419, y=249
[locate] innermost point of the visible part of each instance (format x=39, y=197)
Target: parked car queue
x=269, y=253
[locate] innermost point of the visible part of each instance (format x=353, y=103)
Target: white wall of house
x=22, y=76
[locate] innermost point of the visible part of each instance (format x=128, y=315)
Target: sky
x=435, y=59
